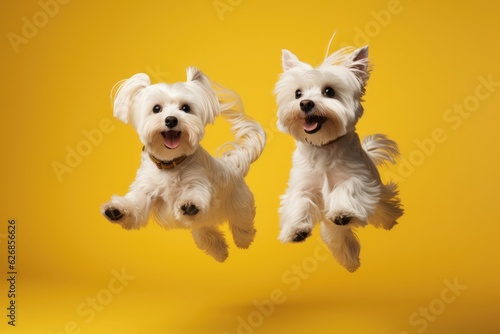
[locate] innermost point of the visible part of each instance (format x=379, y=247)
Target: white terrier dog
x=334, y=179
x=178, y=181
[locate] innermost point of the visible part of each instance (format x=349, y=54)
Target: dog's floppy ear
x=358, y=63
x=124, y=96
x=289, y=61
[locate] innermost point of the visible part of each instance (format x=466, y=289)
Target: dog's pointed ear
x=358, y=62
x=127, y=91
x=194, y=74
x=289, y=61
x=205, y=87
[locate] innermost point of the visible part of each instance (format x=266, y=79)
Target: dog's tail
x=380, y=149
x=250, y=137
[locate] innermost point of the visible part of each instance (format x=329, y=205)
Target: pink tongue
x=172, y=139
x=310, y=126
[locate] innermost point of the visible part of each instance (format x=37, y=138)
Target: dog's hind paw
x=113, y=214
x=189, y=209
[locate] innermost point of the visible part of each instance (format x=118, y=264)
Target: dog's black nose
x=171, y=121
x=306, y=105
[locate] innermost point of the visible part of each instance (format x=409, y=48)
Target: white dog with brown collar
x=179, y=182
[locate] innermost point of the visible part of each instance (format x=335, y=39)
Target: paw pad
x=301, y=236
x=113, y=214
x=189, y=209
x=342, y=220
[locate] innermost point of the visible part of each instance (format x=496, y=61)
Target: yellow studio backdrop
x=435, y=89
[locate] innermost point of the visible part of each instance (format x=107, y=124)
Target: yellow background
x=429, y=57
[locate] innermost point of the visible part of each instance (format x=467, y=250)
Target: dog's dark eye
x=329, y=92
x=298, y=93
x=156, y=108
x=186, y=108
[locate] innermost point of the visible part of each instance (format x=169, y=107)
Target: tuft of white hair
x=250, y=137
x=380, y=149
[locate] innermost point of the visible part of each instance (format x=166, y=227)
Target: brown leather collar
x=161, y=164
x=167, y=164
x=334, y=141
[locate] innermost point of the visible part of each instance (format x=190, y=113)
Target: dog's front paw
x=189, y=209
x=341, y=220
x=295, y=234
x=119, y=214
x=301, y=235
x=113, y=214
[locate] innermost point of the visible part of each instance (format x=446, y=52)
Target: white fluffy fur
x=215, y=186
x=333, y=174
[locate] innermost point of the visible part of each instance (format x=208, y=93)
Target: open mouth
x=171, y=139
x=313, y=124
